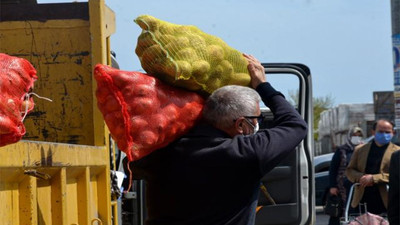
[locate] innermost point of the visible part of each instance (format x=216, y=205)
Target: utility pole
x=395, y=9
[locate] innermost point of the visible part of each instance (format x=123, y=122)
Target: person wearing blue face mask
x=369, y=166
x=338, y=183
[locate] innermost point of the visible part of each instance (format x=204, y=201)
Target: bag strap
x=267, y=196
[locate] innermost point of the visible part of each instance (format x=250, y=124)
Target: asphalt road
x=321, y=218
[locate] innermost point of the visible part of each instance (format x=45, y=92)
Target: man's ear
x=239, y=126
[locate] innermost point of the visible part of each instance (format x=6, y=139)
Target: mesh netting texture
x=185, y=56
x=17, y=76
x=142, y=113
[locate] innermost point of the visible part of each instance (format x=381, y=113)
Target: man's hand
x=256, y=70
x=366, y=180
x=334, y=191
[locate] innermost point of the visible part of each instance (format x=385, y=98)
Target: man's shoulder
x=395, y=160
x=205, y=130
x=345, y=148
x=362, y=147
x=396, y=153
x=395, y=146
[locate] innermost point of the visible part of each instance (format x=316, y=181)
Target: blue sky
x=346, y=43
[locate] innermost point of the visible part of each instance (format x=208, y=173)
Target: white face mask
x=255, y=127
x=355, y=140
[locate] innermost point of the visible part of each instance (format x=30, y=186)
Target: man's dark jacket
x=209, y=178
x=394, y=189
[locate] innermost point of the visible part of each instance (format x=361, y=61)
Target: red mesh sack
x=142, y=113
x=17, y=76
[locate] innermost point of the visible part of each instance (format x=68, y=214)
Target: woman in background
x=338, y=183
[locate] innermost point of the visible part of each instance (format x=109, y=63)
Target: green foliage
x=320, y=104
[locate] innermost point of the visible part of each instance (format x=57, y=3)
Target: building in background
x=384, y=105
x=335, y=123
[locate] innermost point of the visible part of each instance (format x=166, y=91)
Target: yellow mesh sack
x=185, y=56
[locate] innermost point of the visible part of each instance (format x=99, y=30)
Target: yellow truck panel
x=54, y=183
x=64, y=52
x=61, y=56
x=60, y=172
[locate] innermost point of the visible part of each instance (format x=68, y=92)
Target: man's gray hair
x=228, y=103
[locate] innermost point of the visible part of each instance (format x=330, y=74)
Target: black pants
x=374, y=200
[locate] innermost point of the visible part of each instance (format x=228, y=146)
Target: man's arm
x=379, y=178
x=383, y=175
x=289, y=129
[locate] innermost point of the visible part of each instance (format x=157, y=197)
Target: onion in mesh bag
x=185, y=56
x=141, y=112
x=17, y=76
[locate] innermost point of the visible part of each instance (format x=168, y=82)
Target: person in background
x=338, y=183
x=212, y=175
x=394, y=189
x=369, y=166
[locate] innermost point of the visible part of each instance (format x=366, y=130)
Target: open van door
x=287, y=195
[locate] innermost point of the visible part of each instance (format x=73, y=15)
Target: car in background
x=321, y=170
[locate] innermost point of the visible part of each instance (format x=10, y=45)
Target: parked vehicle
x=321, y=168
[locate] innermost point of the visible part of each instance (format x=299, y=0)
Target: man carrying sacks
x=211, y=175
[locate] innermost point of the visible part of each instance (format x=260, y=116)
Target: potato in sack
x=185, y=56
x=143, y=113
x=17, y=76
